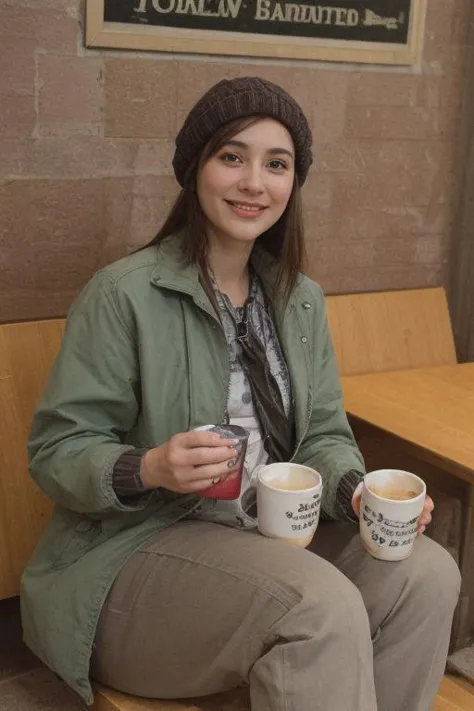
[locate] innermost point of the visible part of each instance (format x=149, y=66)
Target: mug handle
x=257, y=470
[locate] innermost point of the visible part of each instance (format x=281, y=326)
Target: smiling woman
x=244, y=188
x=219, y=123
x=143, y=582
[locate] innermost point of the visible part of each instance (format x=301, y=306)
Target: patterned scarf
x=276, y=422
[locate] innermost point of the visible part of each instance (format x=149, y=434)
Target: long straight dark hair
x=284, y=240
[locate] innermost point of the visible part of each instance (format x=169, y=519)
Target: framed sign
x=375, y=31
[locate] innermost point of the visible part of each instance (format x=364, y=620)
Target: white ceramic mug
x=388, y=524
x=288, y=502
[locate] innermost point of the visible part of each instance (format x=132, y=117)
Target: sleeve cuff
x=126, y=479
x=345, y=491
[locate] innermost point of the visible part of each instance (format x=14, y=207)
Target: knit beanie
x=231, y=99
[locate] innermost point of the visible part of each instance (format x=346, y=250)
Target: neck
x=229, y=264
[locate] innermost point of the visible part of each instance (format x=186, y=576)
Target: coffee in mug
x=390, y=492
x=288, y=502
x=391, y=503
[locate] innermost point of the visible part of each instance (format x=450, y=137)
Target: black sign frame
x=368, y=31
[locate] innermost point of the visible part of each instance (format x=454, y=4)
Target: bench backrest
x=392, y=330
x=27, y=351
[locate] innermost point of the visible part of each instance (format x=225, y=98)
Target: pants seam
x=283, y=685
x=262, y=588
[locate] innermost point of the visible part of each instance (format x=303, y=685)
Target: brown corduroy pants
x=202, y=608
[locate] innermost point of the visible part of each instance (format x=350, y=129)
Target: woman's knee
x=328, y=599
x=432, y=570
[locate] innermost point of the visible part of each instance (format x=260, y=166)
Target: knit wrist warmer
x=126, y=479
x=345, y=491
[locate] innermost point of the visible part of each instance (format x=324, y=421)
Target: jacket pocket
x=78, y=540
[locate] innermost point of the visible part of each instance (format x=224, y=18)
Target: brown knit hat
x=231, y=99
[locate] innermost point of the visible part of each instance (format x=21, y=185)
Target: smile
x=245, y=207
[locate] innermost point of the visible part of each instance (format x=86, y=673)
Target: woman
x=213, y=323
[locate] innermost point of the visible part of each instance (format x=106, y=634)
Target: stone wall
x=461, y=272
x=86, y=139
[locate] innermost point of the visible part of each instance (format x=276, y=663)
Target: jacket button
x=306, y=305
x=304, y=339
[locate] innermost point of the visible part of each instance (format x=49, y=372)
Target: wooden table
x=432, y=409
x=430, y=413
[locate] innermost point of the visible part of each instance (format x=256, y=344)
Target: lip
x=241, y=208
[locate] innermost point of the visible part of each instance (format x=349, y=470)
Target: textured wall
x=86, y=142
x=461, y=282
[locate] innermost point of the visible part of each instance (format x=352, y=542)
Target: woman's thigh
x=197, y=605
x=424, y=580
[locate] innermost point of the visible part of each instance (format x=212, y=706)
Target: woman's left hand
x=423, y=521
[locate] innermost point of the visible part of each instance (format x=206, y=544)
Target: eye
x=277, y=164
x=230, y=158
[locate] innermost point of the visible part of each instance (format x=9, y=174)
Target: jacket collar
x=173, y=271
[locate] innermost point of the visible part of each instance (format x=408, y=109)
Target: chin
x=246, y=238
x=243, y=231
x=246, y=233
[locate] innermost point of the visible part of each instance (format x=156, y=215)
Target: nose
x=251, y=179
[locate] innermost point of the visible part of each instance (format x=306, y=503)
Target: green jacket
x=143, y=357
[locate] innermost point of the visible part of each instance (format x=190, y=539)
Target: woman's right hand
x=189, y=462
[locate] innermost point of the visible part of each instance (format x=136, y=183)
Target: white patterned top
x=240, y=407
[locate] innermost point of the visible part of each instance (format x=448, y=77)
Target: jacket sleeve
x=328, y=445
x=89, y=405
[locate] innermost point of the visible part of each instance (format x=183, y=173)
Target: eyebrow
x=272, y=151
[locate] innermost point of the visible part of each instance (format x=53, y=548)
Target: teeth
x=248, y=208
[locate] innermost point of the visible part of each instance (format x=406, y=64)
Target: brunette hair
x=284, y=240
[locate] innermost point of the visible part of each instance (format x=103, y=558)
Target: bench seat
x=109, y=700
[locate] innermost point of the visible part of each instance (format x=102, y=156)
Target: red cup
x=230, y=487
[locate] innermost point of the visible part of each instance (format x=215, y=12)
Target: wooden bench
x=391, y=330
x=27, y=351
x=371, y=332
x=109, y=700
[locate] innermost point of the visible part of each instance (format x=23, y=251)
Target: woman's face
x=244, y=188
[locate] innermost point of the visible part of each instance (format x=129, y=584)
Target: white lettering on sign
x=352, y=18
x=371, y=19
x=186, y=7
x=293, y=12
x=199, y=8
x=278, y=13
x=271, y=11
x=312, y=14
x=268, y=10
x=233, y=7
x=159, y=5
x=263, y=10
